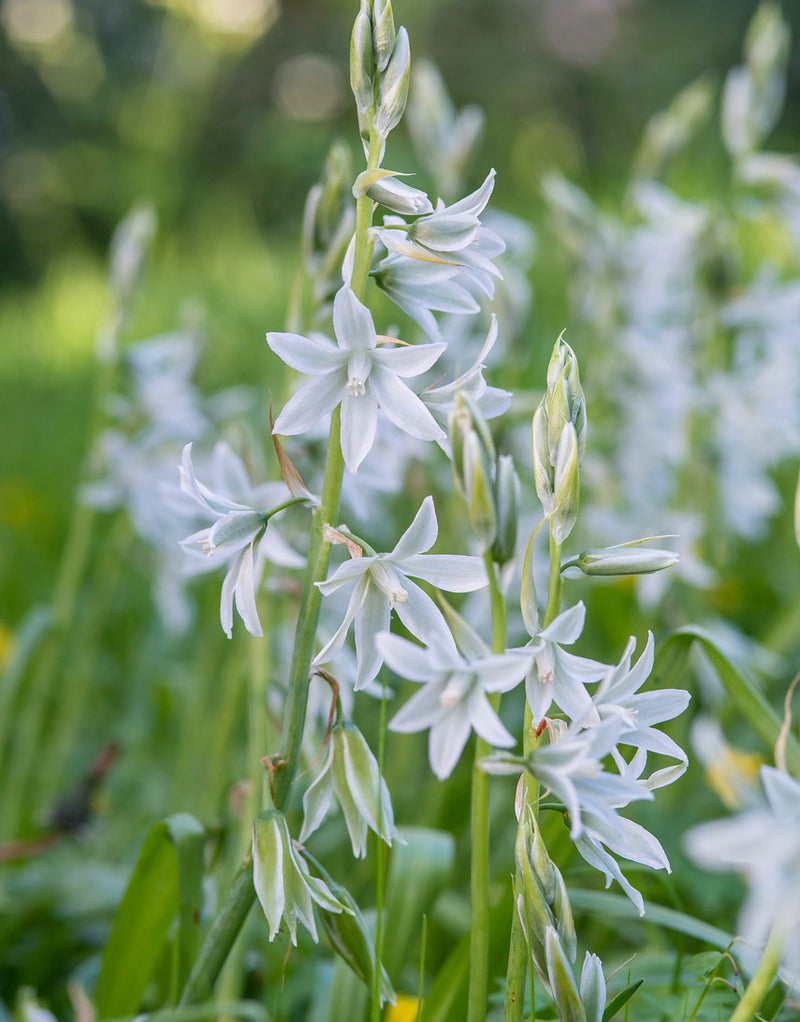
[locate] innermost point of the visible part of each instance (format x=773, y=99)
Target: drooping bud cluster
x=546, y=917
x=328, y=221
x=489, y=484
x=559, y=440
x=380, y=68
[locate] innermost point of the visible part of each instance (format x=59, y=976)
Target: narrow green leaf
x=741, y=687
x=447, y=998
x=620, y=1000
x=417, y=872
x=165, y=880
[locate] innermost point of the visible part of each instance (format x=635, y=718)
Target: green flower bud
x=622, y=560
x=507, y=505
x=567, y=485
x=350, y=936
x=543, y=473
x=394, y=87
x=362, y=64
x=566, y=402
x=561, y=980
x=383, y=187
x=129, y=245
x=283, y=884
x=383, y=34
x=478, y=491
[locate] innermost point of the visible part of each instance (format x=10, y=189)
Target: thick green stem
x=555, y=582
x=761, y=980
x=240, y=897
x=479, y=828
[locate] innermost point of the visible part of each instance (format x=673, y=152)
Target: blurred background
x=219, y=113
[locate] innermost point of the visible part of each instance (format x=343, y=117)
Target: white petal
x=314, y=399
x=502, y=671
x=411, y=360
x=567, y=627
x=372, y=619
x=359, y=420
x=348, y=571
x=457, y=573
x=403, y=407
x=245, y=593
x=405, y=658
x=352, y=321
x=486, y=723
x=420, y=535
x=312, y=355
x=421, y=711
x=335, y=643
x=421, y=616
x=446, y=741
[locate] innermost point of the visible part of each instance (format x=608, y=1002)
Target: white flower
x=617, y=694
x=763, y=844
x=359, y=375
x=422, y=288
x=452, y=702
x=558, y=676
x=282, y=881
x=492, y=401
x=350, y=771
x=450, y=236
x=239, y=536
x=382, y=584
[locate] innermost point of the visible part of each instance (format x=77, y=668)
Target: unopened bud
x=566, y=402
x=129, y=246
x=507, y=506
x=561, y=980
x=543, y=473
x=394, y=87
x=350, y=936
x=362, y=64
x=478, y=491
x=383, y=33
x=622, y=560
x=567, y=485
x=382, y=186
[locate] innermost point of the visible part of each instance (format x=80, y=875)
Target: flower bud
x=566, y=402
x=561, y=980
x=567, y=485
x=283, y=884
x=129, y=245
x=394, y=87
x=362, y=64
x=622, y=560
x=349, y=934
x=507, y=507
x=383, y=33
x=543, y=473
x=383, y=187
x=478, y=491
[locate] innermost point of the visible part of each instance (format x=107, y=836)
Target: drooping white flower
x=351, y=773
x=239, y=536
x=452, y=702
x=283, y=883
x=450, y=236
x=762, y=843
x=359, y=375
x=492, y=401
x=382, y=584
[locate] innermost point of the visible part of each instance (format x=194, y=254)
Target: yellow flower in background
x=405, y=1010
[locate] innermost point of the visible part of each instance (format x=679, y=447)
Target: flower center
x=356, y=387
x=388, y=581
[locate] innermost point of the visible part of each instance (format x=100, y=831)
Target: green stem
x=479, y=827
x=761, y=980
x=240, y=897
x=518, y=955
x=380, y=875
x=555, y=582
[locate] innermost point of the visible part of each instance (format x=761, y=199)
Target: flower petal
x=457, y=573
x=420, y=535
x=313, y=400
x=411, y=360
x=372, y=619
x=312, y=355
x=359, y=421
x=352, y=321
x=403, y=407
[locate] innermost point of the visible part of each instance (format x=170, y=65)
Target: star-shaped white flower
x=382, y=584
x=360, y=375
x=452, y=702
x=558, y=676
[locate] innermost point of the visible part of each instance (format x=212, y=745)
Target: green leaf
x=740, y=685
x=166, y=880
x=620, y=1000
x=447, y=997
x=704, y=963
x=417, y=873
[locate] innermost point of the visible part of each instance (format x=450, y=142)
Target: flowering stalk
x=761, y=980
x=479, y=827
x=241, y=895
